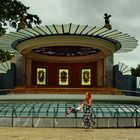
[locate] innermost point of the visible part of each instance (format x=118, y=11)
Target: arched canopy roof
x=107, y=41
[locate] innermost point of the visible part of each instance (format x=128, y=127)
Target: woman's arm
x=88, y=102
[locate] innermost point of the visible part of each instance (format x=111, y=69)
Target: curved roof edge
x=123, y=42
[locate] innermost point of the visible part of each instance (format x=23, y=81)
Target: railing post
x=97, y=116
x=54, y=119
x=117, y=117
x=33, y=115
x=12, y=123
x=136, y=117
x=76, y=118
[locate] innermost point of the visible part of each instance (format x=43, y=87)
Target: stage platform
x=69, y=97
x=45, y=90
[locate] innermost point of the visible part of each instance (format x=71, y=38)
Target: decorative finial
x=107, y=22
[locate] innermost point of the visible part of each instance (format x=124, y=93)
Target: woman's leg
x=86, y=121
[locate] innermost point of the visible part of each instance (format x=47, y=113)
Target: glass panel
x=41, y=76
x=86, y=77
x=73, y=28
x=59, y=29
x=66, y=28
x=51, y=27
x=63, y=76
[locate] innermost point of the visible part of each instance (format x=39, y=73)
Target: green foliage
x=136, y=71
x=5, y=55
x=10, y=12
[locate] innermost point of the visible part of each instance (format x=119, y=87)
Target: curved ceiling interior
x=64, y=51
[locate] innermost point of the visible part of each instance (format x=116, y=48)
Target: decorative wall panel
x=41, y=76
x=86, y=77
x=63, y=76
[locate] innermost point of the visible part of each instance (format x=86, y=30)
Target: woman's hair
x=88, y=96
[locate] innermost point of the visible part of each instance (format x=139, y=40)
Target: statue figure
x=23, y=21
x=21, y=24
x=106, y=17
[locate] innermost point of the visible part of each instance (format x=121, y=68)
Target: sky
x=125, y=18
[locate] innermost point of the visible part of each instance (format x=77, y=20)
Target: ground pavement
x=20, y=133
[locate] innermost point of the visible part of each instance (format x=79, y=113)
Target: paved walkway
x=8, y=133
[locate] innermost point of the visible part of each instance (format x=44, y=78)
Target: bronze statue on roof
x=107, y=22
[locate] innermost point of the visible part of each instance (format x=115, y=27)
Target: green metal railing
x=105, y=115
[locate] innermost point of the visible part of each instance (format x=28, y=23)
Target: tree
x=136, y=71
x=12, y=11
x=5, y=55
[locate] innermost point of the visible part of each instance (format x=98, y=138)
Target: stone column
x=20, y=70
x=108, y=69
x=28, y=71
x=100, y=72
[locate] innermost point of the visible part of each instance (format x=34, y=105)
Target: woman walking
x=87, y=108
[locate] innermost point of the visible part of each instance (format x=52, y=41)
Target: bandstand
x=65, y=56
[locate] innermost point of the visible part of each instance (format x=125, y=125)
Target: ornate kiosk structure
x=66, y=56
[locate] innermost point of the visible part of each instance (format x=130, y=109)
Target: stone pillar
x=28, y=71
x=100, y=72
x=20, y=70
x=108, y=70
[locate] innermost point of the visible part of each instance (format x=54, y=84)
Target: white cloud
x=125, y=17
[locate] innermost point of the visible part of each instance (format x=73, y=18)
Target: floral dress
x=87, y=117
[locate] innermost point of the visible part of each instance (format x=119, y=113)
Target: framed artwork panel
x=86, y=76
x=41, y=76
x=63, y=76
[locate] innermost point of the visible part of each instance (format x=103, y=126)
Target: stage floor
x=70, y=97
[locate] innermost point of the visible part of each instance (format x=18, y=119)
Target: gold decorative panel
x=86, y=77
x=41, y=76
x=63, y=76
